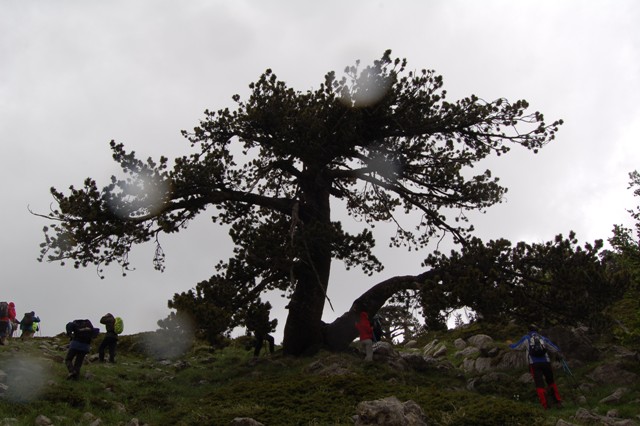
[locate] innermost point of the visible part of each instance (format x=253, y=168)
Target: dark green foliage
x=624, y=262
x=557, y=282
x=397, y=318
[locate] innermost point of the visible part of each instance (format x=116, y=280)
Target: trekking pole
x=565, y=367
x=572, y=380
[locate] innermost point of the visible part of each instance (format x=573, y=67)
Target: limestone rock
x=389, y=412
x=43, y=420
x=480, y=341
x=245, y=421
x=613, y=374
x=615, y=397
x=460, y=344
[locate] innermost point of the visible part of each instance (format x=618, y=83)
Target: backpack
x=4, y=309
x=536, y=346
x=118, y=326
x=83, y=330
x=27, y=321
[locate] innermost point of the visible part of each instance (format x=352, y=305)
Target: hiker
x=13, y=321
x=377, y=329
x=537, y=350
x=81, y=332
x=5, y=322
x=26, y=325
x=258, y=322
x=366, y=335
x=110, y=340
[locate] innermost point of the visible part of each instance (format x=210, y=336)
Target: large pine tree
x=382, y=140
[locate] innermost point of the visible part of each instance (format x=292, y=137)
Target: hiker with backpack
x=81, y=332
x=5, y=322
x=27, y=325
x=110, y=340
x=537, y=351
x=258, y=322
x=13, y=321
x=366, y=335
x=377, y=329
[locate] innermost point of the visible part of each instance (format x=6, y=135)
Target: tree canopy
x=383, y=141
x=553, y=283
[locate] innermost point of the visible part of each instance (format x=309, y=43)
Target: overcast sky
x=76, y=74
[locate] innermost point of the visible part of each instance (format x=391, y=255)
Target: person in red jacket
x=12, y=318
x=366, y=335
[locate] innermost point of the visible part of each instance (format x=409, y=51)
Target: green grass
x=207, y=387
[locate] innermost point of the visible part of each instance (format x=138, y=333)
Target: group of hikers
x=80, y=332
x=536, y=346
x=9, y=323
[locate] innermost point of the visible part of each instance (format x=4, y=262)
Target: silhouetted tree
x=557, y=282
x=381, y=141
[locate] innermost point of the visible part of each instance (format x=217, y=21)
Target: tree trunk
x=341, y=332
x=303, y=328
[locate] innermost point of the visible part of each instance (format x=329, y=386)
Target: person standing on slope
x=366, y=335
x=110, y=340
x=537, y=351
x=81, y=332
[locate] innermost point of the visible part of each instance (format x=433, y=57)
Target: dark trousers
x=540, y=370
x=74, y=360
x=110, y=341
x=259, y=342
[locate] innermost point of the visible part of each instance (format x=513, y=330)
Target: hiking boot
x=72, y=376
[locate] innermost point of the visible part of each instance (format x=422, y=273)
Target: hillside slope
x=156, y=382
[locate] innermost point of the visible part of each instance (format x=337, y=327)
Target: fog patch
x=26, y=378
x=144, y=195
x=369, y=88
x=172, y=341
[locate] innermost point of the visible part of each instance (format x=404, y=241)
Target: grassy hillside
x=203, y=387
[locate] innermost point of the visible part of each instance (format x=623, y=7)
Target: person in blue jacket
x=81, y=332
x=537, y=350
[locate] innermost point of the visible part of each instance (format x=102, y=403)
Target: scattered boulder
x=615, y=397
x=411, y=344
x=245, y=421
x=480, y=341
x=587, y=417
x=613, y=373
x=415, y=361
x=440, y=351
x=512, y=360
x=482, y=364
x=460, y=344
x=434, y=347
x=43, y=420
x=389, y=412
x=384, y=349
x=575, y=343
x=561, y=422
x=468, y=352
x=624, y=354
